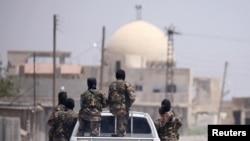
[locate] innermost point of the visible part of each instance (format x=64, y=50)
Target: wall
x=10, y=129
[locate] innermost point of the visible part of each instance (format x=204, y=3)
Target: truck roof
x=131, y=113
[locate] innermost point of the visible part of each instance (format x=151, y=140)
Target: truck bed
x=140, y=128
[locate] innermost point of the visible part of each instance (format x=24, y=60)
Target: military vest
x=60, y=107
x=91, y=99
x=65, y=123
x=117, y=93
x=169, y=129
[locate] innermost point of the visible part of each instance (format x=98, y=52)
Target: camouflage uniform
x=121, y=97
x=92, y=102
x=64, y=124
x=167, y=126
x=51, y=121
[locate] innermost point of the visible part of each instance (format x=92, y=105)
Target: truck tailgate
x=111, y=139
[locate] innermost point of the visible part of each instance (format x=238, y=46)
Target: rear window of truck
x=139, y=125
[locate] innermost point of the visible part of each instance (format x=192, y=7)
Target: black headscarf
x=165, y=105
x=62, y=97
x=120, y=74
x=91, y=83
x=70, y=103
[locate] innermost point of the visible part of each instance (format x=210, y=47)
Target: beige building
x=139, y=48
x=241, y=110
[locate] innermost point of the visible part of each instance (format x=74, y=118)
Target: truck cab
x=140, y=128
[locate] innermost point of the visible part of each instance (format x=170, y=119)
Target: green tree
x=7, y=88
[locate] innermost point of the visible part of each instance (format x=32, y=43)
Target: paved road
x=193, y=138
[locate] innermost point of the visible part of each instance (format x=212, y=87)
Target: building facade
x=139, y=48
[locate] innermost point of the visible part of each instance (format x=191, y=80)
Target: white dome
x=139, y=38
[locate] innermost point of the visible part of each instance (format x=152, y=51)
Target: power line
x=86, y=50
x=73, y=35
x=233, y=39
x=22, y=94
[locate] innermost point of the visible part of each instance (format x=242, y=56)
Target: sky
x=212, y=32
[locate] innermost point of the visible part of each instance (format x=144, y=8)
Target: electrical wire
x=215, y=37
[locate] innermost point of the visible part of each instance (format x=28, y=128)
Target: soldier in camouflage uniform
x=121, y=97
x=64, y=122
x=92, y=103
x=62, y=96
x=168, y=124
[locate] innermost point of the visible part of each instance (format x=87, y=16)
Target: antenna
x=138, y=11
x=170, y=63
x=1, y=60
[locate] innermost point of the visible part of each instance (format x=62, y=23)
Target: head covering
x=62, y=96
x=70, y=103
x=165, y=105
x=161, y=112
x=120, y=74
x=91, y=83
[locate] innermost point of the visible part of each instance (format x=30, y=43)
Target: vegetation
x=197, y=131
x=7, y=87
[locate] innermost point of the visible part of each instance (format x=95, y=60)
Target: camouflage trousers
x=93, y=125
x=51, y=130
x=53, y=137
x=122, y=122
x=173, y=138
x=60, y=139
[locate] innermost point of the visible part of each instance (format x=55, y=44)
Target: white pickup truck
x=140, y=128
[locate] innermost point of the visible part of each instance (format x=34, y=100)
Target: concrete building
x=205, y=101
x=241, y=110
x=139, y=48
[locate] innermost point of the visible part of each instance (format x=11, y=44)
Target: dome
x=139, y=38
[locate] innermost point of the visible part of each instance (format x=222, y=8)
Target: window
x=138, y=88
x=171, y=88
x=156, y=90
x=140, y=125
x=117, y=65
x=108, y=124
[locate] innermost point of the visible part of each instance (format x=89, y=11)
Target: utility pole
x=54, y=59
x=138, y=11
x=34, y=78
x=222, y=92
x=34, y=110
x=102, y=57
